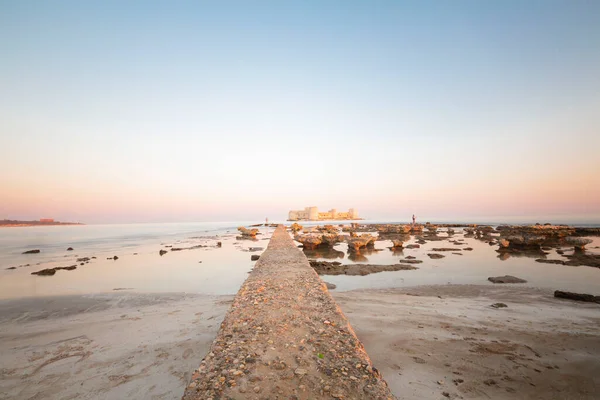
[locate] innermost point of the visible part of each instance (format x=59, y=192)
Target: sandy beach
x=437, y=342
x=111, y=346
x=428, y=342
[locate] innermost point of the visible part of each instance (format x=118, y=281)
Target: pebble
x=300, y=371
x=440, y=382
x=256, y=389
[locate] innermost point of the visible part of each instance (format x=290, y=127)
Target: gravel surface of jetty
x=285, y=337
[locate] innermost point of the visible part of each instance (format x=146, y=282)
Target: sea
x=203, y=266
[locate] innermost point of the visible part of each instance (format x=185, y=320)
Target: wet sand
x=145, y=346
x=109, y=346
x=458, y=346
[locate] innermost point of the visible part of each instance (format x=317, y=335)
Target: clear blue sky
x=119, y=111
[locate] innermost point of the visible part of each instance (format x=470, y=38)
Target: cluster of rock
x=337, y=268
x=314, y=240
x=52, y=271
x=296, y=227
x=248, y=233
x=357, y=242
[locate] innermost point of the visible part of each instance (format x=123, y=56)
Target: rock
x=36, y=251
x=498, y=305
x=337, y=268
x=413, y=246
x=330, y=286
x=310, y=241
x=410, y=261
x=583, y=258
x=410, y=257
x=11, y=268
x=83, y=259
x=358, y=242
x=70, y=249
x=253, y=249
x=300, y=371
x=115, y=258
x=219, y=244
x=254, y=257
x=296, y=227
x=545, y=261
x=45, y=272
x=577, y=296
x=397, y=243
x=489, y=382
x=578, y=242
x=435, y=256
x=468, y=249
x=506, y=279
x=444, y=249
x=503, y=242
x=248, y=232
x=525, y=240
x=162, y=252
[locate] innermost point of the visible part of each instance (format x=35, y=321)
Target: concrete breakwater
x=284, y=337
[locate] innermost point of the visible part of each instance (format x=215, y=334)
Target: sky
x=174, y=111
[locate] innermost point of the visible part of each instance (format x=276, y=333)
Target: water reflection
x=323, y=252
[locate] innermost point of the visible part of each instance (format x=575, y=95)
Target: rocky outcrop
x=337, y=268
x=387, y=229
x=577, y=296
x=397, y=243
x=296, y=227
x=357, y=242
x=314, y=240
x=525, y=240
x=578, y=243
x=52, y=271
x=35, y=251
x=254, y=257
x=435, y=256
x=506, y=279
x=45, y=272
x=248, y=232
x=410, y=261
x=328, y=229
x=546, y=261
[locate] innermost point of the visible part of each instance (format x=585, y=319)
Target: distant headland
x=10, y=223
x=313, y=214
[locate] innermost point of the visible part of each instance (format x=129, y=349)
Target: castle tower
x=313, y=213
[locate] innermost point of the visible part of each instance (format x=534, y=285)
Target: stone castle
x=313, y=214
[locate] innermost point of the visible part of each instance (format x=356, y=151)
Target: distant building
x=46, y=219
x=313, y=214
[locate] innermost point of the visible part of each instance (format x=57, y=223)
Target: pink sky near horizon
x=208, y=112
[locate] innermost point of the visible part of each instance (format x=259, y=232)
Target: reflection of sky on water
x=472, y=267
x=224, y=269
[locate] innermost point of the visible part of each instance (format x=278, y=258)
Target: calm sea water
x=213, y=270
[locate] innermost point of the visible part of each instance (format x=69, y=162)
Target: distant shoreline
x=23, y=224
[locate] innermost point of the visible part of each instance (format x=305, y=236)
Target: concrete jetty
x=284, y=337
